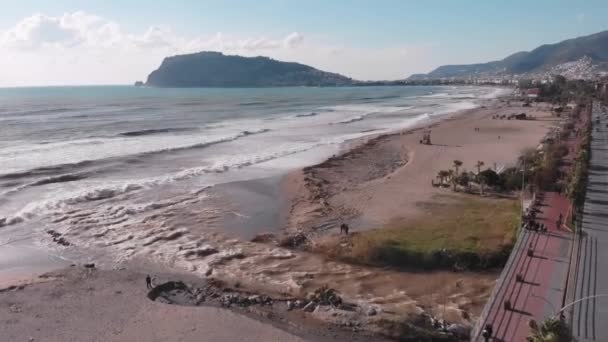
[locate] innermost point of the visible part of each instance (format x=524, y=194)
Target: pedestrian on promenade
x=487, y=332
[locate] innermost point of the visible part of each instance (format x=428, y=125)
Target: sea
x=94, y=163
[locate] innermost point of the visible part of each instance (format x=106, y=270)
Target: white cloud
x=82, y=48
x=293, y=40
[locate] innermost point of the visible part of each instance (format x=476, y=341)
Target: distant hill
x=214, y=69
x=591, y=50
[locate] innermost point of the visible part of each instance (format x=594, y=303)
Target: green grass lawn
x=476, y=231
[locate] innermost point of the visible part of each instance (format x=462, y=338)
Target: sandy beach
x=375, y=180
x=386, y=178
x=82, y=304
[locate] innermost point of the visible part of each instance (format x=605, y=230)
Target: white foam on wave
x=455, y=107
x=28, y=157
x=436, y=95
x=93, y=191
x=497, y=92
x=360, y=112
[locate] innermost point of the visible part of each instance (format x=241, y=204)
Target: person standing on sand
x=344, y=228
x=148, y=282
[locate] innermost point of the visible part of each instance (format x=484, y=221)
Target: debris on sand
x=57, y=238
x=173, y=292
x=180, y=293
x=264, y=238
x=325, y=296
x=297, y=240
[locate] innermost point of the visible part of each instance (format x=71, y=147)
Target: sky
x=75, y=42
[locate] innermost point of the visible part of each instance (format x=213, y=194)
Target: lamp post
x=523, y=178
x=576, y=302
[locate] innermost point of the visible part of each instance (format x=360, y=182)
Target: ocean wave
x=431, y=94
x=44, y=111
x=351, y=120
x=104, y=192
x=497, y=92
x=154, y=131
x=378, y=98
x=45, y=170
x=307, y=115
x=70, y=168
x=362, y=112
x=246, y=104
x=59, y=179
x=47, y=180
x=34, y=209
x=207, y=143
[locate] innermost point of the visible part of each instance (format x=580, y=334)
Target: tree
x=551, y=330
x=480, y=179
x=479, y=165
x=442, y=175
x=457, y=165
x=463, y=178
x=452, y=177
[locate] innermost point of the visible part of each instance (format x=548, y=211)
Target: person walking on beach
x=148, y=282
x=344, y=228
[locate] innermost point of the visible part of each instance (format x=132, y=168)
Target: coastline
x=279, y=272
x=403, y=169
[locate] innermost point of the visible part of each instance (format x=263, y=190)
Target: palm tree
x=479, y=177
x=479, y=165
x=442, y=175
x=452, y=177
x=457, y=165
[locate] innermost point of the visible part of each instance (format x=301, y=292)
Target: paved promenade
x=548, y=271
x=541, y=291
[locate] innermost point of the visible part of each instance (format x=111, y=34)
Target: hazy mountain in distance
x=592, y=48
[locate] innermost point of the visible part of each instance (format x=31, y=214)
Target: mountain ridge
x=541, y=59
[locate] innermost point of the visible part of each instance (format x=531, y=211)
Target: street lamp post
x=576, y=302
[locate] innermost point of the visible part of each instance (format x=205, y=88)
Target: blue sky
x=380, y=39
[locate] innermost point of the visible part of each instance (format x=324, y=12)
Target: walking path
x=540, y=293
x=545, y=273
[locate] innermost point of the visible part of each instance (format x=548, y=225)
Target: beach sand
x=82, y=304
x=386, y=178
